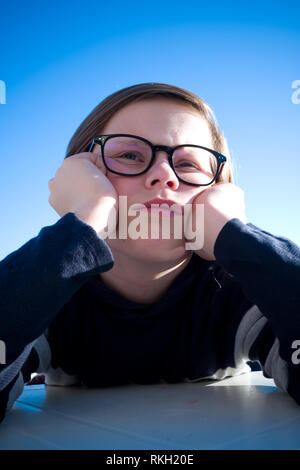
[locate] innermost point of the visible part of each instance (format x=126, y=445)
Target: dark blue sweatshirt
x=58, y=318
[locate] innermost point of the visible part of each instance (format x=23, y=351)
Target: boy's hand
x=222, y=202
x=80, y=185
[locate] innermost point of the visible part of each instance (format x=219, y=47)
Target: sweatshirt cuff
x=86, y=235
x=227, y=246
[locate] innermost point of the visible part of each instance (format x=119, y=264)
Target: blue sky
x=59, y=59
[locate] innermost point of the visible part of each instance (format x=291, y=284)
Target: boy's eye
x=129, y=156
x=187, y=164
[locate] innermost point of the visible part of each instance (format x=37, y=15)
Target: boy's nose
x=161, y=172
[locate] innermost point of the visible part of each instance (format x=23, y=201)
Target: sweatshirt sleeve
x=267, y=268
x=36, y=281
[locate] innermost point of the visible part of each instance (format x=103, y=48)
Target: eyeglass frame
x=102, y=139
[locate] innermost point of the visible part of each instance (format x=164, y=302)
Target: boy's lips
x=163, y=205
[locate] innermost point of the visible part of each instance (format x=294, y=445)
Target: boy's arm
x=36, y=281
x=268, y=269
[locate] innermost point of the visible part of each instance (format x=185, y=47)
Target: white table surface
x=244, y=412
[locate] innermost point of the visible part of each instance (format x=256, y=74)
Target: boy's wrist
x=210, y=236
x=97, y=217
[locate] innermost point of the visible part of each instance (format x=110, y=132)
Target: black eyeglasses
x=131, y=155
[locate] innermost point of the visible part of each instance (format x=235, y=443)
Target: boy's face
x=166, y=122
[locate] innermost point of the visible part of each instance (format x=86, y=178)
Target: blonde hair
x=95, y=122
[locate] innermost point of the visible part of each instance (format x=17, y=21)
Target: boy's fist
x=80, y=185
x=222, y=202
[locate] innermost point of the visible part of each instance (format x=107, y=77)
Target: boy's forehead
x=161, y=121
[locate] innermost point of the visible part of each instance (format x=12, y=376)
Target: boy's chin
x=150, y=249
